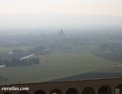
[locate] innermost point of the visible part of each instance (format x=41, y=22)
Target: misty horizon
x=58, y=21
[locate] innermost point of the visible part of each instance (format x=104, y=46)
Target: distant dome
x=61, y=33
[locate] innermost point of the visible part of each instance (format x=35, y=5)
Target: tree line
x=17, y=62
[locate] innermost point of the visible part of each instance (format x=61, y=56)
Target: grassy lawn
x=56, y=65
x=74, y=59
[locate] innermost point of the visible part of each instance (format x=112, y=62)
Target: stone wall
x=92, y=86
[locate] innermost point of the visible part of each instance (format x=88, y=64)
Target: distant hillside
x=58, y=20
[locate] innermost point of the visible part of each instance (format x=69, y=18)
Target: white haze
x=58, y=20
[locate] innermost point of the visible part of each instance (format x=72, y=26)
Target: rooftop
x=86, y=76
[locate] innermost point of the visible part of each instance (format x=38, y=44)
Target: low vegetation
x=17, y=62
x=57, y=56
x=56, y=65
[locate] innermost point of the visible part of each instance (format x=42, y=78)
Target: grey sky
x=60, y=13
x=104, y=7
x=58, y=20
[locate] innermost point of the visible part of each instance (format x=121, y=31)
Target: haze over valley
x=43, y=40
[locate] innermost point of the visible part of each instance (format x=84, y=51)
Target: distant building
x=61, y=33
x=1, y=66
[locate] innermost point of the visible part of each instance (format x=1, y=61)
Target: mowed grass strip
x=73, y=59
x=57, y=65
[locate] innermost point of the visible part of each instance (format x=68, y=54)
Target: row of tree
x=17, y=62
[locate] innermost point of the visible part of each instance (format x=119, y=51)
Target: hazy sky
x=104, y=7
x=60, y=13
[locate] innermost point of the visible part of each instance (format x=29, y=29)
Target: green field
x=58, y=64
